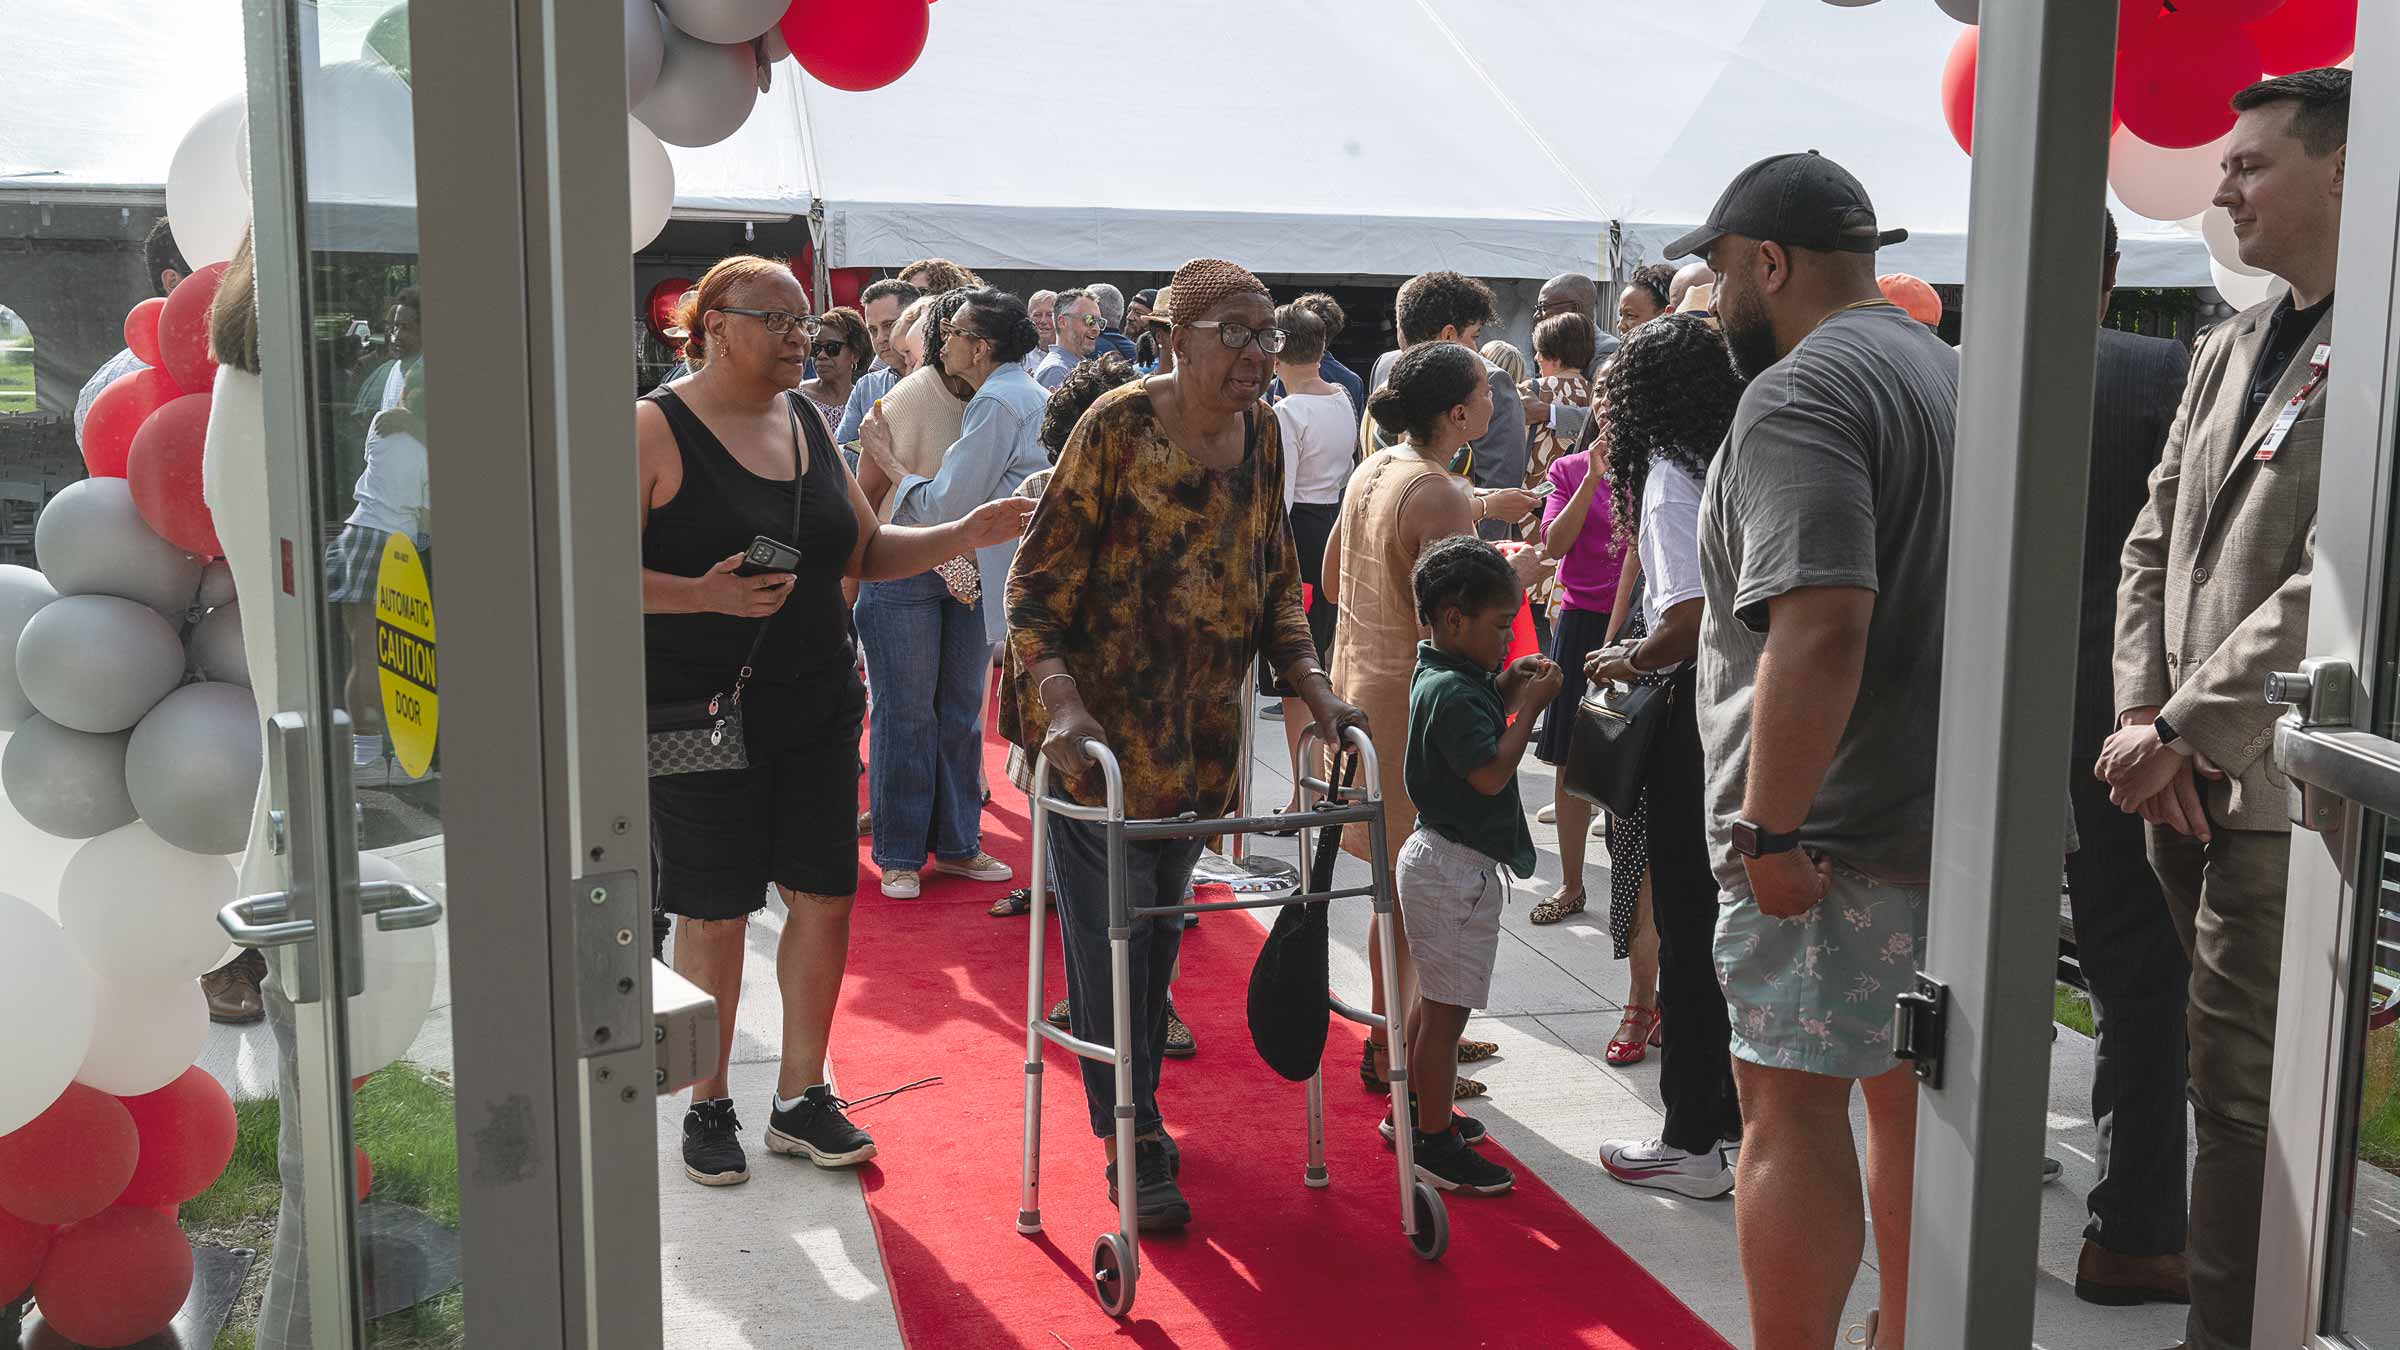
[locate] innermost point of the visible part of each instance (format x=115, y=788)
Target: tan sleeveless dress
x=1375, y=643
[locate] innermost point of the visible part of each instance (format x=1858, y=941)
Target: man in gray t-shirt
x=1824, y=556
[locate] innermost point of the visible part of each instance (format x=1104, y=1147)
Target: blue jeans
x=1157, y=872
x=927, y=657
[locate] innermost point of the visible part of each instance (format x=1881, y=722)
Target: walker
x=1116, y=1257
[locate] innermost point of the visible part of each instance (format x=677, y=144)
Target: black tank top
x=719, y=509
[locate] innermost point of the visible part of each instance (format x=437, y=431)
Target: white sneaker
x=901, y=883
x=1548, y=815
x=981, y=867
x=1655, y=1164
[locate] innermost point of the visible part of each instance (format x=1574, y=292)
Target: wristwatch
x=2167, y=734
x=1754, y=841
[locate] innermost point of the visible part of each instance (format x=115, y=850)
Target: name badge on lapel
x=2318, y=363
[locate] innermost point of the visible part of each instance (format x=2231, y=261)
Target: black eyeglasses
x=780, y=322
x=1240, y=335
x=826, y=351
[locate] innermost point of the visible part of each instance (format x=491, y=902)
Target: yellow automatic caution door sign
x=404, y=655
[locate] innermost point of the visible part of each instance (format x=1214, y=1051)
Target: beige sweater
x=925, y=418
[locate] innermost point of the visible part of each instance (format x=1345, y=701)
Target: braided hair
x=1464, y=573
x=1670, y=395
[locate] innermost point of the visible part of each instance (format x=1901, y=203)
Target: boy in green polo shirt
x=1461, y=770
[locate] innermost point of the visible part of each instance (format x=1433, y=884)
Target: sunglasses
x=1239, y=335
x=1087, y=320
x=780, y=322
x=826, y=351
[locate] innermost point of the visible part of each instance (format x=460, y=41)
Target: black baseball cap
x=1804, y=200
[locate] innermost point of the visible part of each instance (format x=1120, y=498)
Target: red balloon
x=365, y=1171
x=71, y=1161
x=659, y=310
x=187, y=1138
x=163, y=470
x=855, y=44
x=141, y=329
x=2306, y=34
x=1958, y=89
x=2176, y=78
x=847, y=283
x=183, y=330
x=2228, y=11
x=118, y=413
x=115, y=1279
x=23, y=1245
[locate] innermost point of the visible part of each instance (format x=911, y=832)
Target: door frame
x=2308, y=1135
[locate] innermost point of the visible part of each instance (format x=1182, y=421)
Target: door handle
x=398, y=905
x=257, y=921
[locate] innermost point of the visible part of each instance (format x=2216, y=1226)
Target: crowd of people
x=1733, y=490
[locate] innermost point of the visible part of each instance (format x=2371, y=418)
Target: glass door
x=2329, y=1241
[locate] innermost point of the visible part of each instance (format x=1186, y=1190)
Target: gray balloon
x=97, y=662
x=1965, y=11
x=68, y=783
x=92, y=541
x=216, y=584
x=23, y=592
x=193, y=767
x=216, y=647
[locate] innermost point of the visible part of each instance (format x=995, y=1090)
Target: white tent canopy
x=1504, y=138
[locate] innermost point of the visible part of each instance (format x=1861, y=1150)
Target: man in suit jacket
x=1570, y=293
x=2124, y=940
x=1448, y=307
x=2214, y=596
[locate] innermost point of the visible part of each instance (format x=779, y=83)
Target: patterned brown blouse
x=1157, y=581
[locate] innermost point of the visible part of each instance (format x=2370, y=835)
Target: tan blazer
x=2214, y=593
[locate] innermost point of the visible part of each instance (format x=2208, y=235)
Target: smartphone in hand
x=768, y=555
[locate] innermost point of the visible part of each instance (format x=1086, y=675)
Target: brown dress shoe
x=2114, y=1280
x=232, y=990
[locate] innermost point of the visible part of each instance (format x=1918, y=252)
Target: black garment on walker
x=1287, y=1009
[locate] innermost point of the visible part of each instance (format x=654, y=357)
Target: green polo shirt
x=1455, y=718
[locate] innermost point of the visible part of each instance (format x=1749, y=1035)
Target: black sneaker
x=816, y=1129
x=1445, y=1160
x=712, y=1145
x=1157, y=1202
x=1467, y=1127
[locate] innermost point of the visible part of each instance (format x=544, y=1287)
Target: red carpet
x=936, y=986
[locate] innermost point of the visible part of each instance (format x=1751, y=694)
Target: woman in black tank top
x=727, y=454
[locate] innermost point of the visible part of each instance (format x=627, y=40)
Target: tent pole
x=819, y=282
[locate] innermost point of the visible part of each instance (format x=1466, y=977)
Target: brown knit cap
x=1201, y=283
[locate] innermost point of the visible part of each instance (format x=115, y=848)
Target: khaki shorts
x=1450, y=898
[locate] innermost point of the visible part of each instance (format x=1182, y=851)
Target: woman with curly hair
x=1670, y=397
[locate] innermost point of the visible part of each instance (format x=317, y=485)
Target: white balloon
x=31, y=860
x=208, y=197
x=46, y=1003
x=704, y=91
x=361, y=132
x=92, y=540
x=216, y=647
x=1965, y=11
x=140, y=910
x=2216, y=227
x=387, y=1014
x=644, y=49
x=216, y=585
x=2160, y=183
x=725, y=20
x=2241, y=291
x=651, y=182
x=67, y=783
x=98, y=663
x=192, y=767
x=145, y=1033
x=23, y=592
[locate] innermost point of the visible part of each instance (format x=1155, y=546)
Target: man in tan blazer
x=2214, y=596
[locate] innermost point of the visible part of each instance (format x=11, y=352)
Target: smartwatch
x=2167, y=734
x=1755, y=841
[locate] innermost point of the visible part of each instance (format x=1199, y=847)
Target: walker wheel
x=1113, y=1274
x=1432, y=1237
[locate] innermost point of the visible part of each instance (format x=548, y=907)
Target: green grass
x=405, y=1119
x=2071, y=1008
x=2379, y=1137
x=16, y=380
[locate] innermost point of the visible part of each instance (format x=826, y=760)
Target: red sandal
x=1641, y=1029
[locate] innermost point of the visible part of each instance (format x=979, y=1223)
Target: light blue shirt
x=1055, y=367
x=870, y=387
x=999, y=446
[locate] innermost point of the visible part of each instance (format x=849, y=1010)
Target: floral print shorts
x=1815, y=993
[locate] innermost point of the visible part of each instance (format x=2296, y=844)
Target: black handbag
x=706, y=735
x=1286, y=1007
x=1609, y=749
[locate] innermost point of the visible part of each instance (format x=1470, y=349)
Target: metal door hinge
x=612, y=945
x=1921, y=1027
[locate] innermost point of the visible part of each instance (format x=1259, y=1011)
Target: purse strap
x=741, y=680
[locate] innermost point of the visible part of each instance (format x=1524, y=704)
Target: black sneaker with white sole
x=1468, y=1127
x=1445, y=1160
x=712, y=1145
x=1157, y=1202
x=816, y=1129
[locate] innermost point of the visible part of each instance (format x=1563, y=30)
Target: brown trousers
x=2226, y=897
